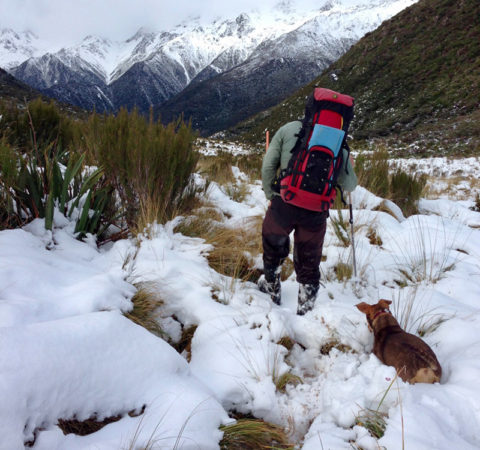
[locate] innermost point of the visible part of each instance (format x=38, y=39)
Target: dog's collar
x=379, y=313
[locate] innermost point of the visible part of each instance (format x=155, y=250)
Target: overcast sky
x=71, y=20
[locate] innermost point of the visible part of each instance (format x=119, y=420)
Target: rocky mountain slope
x=13, y=89
x=417, y=77
x=281, y=51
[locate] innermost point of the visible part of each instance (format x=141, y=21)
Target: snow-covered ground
x=66, y=350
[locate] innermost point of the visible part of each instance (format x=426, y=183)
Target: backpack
x=310, y=180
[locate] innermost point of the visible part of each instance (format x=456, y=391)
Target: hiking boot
x=272, y=288
x=307, y=293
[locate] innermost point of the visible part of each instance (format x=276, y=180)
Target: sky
x=71, y=20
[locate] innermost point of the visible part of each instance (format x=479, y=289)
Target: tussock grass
x=372, y=171
x=217, y=168
x=373, y=237
x=428, y=257
x=335, y=343
x=251, y=165
x=238, y=192
x=373, y=419
x=413, y=314
x=145, y=303
x=253, y=434
x=285, y=379
x=287, y=342
x=343, y=271
x=404, y=189
x=202, y=223
x=234, y=249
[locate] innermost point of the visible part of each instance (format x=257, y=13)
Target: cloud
x=67, y=22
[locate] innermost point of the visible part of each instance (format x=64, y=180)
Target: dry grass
x=202, y=223
x=373, y=237
x=285, y=379
x=429, y=256
x=456, y=187
x=334, y=343
x=217, y=168
x=343, y=271
x=253, y=434
x=145, y=303
x=287, y=342
x=237, y=192
x=234, y=249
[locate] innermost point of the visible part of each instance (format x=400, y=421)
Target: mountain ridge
x=416, y=78
x=150, y=68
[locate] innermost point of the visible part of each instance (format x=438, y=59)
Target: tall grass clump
x=234, y=249
x=253, y=434
x=403, y=188
x=425, y=254
x=146, y=301
x=372, y=172
x=149, y=165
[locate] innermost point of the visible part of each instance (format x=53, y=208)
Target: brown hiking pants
x=309, y=231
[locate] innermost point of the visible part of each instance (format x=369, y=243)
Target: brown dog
x=414, y=360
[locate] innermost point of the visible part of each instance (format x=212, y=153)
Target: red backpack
x=310, y=180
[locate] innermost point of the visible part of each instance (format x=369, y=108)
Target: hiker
x=282, y=218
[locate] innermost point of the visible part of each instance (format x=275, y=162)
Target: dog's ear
x=364, y=307
x=384, y=303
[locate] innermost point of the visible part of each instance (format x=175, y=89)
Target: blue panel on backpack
x=329, y=137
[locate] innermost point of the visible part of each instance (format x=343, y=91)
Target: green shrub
x=149, y=165
x=38, y=125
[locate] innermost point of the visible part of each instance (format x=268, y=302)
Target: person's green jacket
x=278, y=155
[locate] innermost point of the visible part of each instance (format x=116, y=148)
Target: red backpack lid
x=320, y=94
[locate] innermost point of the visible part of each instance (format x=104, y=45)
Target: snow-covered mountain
x=151, y=67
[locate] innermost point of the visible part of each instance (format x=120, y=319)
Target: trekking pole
x=353, y=236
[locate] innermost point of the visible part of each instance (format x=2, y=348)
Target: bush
x=149, y=165
x=40, y=124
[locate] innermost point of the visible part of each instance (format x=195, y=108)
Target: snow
x=68, y=351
